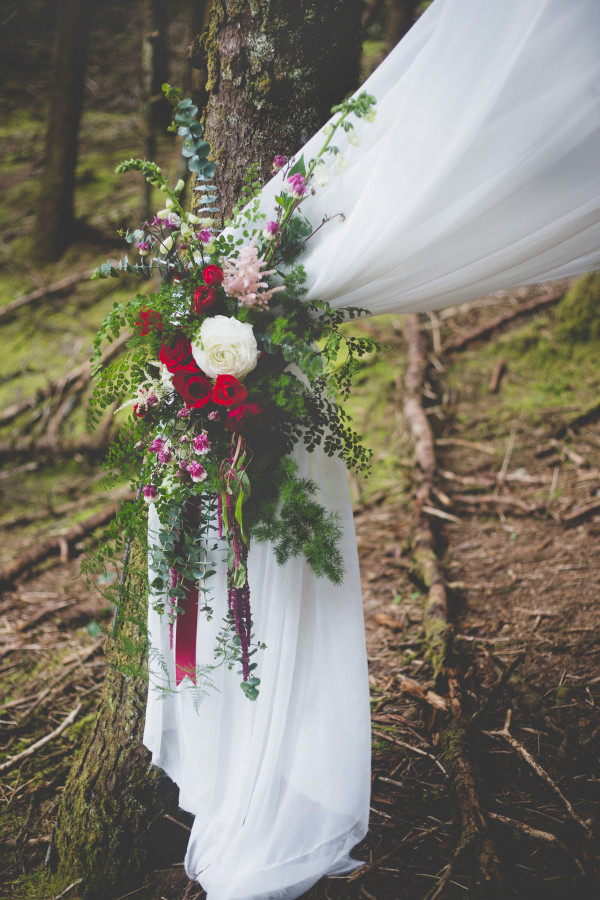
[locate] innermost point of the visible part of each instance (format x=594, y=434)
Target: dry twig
x=526, y=755
x=29, y=751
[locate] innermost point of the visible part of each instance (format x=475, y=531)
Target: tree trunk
x=275, y=68
x=157, y=112
x=275, y=71
x=110, y=816
x=401, y=16
x=55, y=220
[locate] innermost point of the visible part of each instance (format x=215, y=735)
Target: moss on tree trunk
x=275, y=68
x=112, y=808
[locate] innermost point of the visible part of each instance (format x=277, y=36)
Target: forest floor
x=517, y=520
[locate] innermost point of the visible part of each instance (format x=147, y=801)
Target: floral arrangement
x=229, y=366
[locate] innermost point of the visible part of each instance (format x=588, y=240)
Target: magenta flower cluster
x=296, y=186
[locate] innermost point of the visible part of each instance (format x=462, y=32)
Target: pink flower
x=151, y=400
x=143, y=247
x=150, y=493
x=156, y=445
x=279, y=162
x=165, y=456
x=270, y=230
x=296, y=186
x=201, y=443
x=214, y=416
x=244, y=278
x=184, y=413
x=205, y=236
x=197, y=472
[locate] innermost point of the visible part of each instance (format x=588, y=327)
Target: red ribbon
x=185, y=635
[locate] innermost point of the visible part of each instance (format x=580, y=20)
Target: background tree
x=55, y=219
x=274, y=72
x=155, y=72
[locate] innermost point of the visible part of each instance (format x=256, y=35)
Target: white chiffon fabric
x=480, y=172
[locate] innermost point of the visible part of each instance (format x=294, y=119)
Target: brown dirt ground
x=524, y=580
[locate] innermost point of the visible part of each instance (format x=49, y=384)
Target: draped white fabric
x=481, y=172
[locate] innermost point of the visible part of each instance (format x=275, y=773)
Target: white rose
x=225, y=347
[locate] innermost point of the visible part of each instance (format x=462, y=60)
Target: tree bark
x=401, y=15
x=114, y=802
x=157, y=113
x=275, y=69
x=55, y=220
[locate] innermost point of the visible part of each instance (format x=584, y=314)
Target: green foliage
x=185, y=124
x=299, y=525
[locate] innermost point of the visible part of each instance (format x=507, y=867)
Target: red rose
x=228, y=391
x=193, y=386
x=203, y=298
x=148, y=320
x=212, y=275
x=244, y=416
x=177, y=357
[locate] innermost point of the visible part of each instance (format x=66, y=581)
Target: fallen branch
x=499, y=370
x=40, y=293
x=414, y=689
x=526, y=755
x=505, y=318
x=581, y=512
x=52, y=447
x=29, y=751
x=544, y=836
x=422, y=539
x=62, y=384
x=394, y=740
x=55, y=546
x=499, y=500
x=359, y=874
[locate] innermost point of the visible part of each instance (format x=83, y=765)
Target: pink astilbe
x=244, y=278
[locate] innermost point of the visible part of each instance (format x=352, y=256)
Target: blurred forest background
x=509, y=385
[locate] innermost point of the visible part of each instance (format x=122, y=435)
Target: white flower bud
x=321, y=175
x=352, y=137
x=341, y=163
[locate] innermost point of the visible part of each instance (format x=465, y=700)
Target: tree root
x=456, y=737
x=422, y=538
